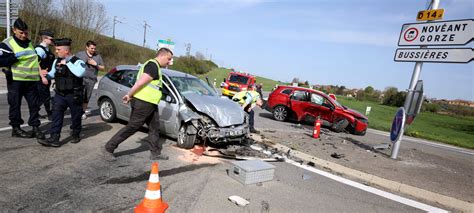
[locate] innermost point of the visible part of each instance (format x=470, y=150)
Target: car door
x=299, y=103
x=320, y=106
x=125, y=83
x=168, y=109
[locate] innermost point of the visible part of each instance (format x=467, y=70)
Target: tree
x=340, y=90
x=369, y=90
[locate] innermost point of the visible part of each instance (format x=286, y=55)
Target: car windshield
x=187, y=85
x=238, y=79
x=337, y=103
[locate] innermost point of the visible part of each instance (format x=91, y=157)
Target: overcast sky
x=336, y=42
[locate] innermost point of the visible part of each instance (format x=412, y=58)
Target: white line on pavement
x=43, y=121
x=424, y=142
x=372, y=190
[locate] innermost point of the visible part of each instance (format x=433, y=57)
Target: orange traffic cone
x=317, y=128
x=152, y=201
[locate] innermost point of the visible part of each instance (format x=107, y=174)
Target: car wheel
x=340, y=125
x=185, y=141
x=280, y=113
x=107, y=110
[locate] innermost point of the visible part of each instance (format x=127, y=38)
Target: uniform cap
x=62, y=42
x=46, y=33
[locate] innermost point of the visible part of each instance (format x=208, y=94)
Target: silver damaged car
x=190, y=110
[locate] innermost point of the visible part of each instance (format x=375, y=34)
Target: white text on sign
x=438, y=55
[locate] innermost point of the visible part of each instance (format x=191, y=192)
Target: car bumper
x=229, y=134
x=227, y=92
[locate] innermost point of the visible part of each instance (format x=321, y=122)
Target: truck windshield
x=239, y=79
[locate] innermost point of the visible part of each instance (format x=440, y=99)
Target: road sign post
x=414, y=78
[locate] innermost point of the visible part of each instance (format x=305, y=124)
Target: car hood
x=224, y=111
x=356, y=113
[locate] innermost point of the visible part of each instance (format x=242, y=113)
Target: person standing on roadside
x=248, y=100
x=46, y=58
x=67, y=72
x=144, y=96
x=21, y=67
x=94, y=63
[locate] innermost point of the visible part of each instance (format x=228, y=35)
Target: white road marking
x=43, y=121
x=369, y=189
x=424, y=142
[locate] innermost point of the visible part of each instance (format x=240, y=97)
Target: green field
x=455, y=130
x=220, y=73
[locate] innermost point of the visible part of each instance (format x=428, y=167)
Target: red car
x=303, y=104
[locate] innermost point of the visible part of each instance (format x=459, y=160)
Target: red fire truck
x=236, y=82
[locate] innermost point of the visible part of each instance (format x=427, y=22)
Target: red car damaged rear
x=303, y=104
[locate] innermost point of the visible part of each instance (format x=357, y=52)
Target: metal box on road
x=251, y=171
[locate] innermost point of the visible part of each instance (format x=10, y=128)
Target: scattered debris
x=298, y=126
x=256, y=147
x=337, y=156
x=381, y=146
x=311, y=164
x=265, y=206
x=269, y=130
x=238, y=200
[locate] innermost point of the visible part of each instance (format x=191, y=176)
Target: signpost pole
x=7, y=5
x=414, y=80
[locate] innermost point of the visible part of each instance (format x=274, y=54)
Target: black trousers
x=61, y=103
x=16, y=91
x=251, y=116
x=45, y=96
x=142, y=112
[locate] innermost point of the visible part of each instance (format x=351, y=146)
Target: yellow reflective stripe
x=26, y=69
x=27, y=61
x=21, y=75
x=153, y=86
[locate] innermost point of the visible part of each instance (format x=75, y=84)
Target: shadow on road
x=163, y=173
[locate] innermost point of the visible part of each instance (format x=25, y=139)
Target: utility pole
x=8, y=18
x=115, y=22
x=144, y=33
x=188, y=49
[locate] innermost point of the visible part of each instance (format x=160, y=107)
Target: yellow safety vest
x=27, y=66
x=151, y=92
x=239, y=97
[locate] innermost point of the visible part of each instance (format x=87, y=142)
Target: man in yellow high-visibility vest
x=144, y=96
x=21, y=67
x=248, y=100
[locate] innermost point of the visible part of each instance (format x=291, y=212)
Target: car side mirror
x=168, y=99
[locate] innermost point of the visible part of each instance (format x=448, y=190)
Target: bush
x=192, y=65
x=430, y=107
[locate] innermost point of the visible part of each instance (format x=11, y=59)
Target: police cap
x=62, y=42
x=46, y=33
x=20, y=24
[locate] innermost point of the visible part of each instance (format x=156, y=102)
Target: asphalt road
x=76, y=178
